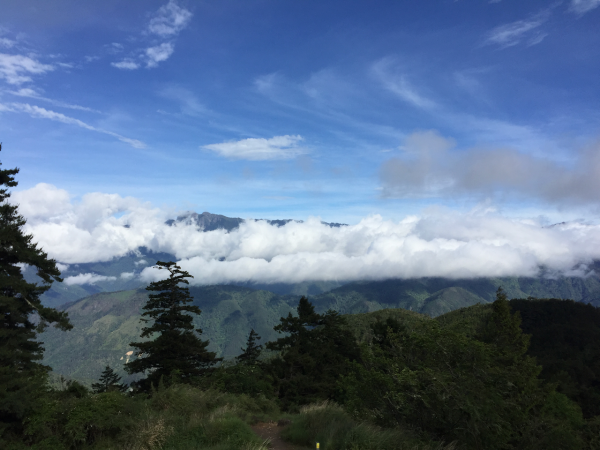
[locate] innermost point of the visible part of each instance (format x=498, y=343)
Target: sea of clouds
x=441, y=243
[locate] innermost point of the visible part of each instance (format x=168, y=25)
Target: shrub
x=328, y=424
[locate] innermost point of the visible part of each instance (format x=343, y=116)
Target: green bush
x=177, y=417
x=334, y=429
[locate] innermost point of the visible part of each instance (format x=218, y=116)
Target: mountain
x=106, y=322
x=436, y=296
x=209, y=222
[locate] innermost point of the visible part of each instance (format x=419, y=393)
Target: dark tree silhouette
x=316, y=350
x=109, y=381
x=177, y=348
x=251, y=353
x=22, y=314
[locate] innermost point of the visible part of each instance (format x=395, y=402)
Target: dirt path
x=270, y=430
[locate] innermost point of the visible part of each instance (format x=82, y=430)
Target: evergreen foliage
x=22, y=315
x=315, y=351
x=177, y=348
x=250, y=354
x=109, y=381
x=447, y=384
x=565, y=340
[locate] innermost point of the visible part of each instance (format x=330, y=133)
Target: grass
x=330, y=426
x=179, y=417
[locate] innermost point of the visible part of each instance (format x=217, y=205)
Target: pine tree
x=109, y=381
x=316, y=350
x=177, y=348
x=251, y=353
x=22, y=314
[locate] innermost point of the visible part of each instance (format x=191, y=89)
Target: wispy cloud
x=126, y=64
x=513, y=33
x=167, y=23
x=158, y=54
x=42, y=113
x=583, y=6
x=169, y=20
x=259, y=149
x=30, y=93
x=8, y=43
x=17, y=69
x=398, y=84
x=187, y=100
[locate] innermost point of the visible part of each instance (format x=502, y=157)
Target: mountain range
x=106, y=322
x=105, y=309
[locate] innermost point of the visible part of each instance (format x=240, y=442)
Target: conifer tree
x=109, y=381
x=316, y=350
x=22, y=314
x=177, y=348
x=251, y=353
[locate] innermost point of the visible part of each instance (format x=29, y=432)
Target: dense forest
x=518, y=374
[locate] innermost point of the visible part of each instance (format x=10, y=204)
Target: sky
x=456, y=123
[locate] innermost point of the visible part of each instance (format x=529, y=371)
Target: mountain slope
x=105, y=323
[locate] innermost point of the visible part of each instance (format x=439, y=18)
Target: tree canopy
x=176, y=348
x=109, y=381
x=315, y=351
x=22, y=314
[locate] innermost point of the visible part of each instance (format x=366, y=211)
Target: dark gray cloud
x=431, y=166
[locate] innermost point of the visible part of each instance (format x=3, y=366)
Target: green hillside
x=104, y=324
x=436, y=296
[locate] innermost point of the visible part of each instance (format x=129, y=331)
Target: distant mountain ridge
x=210, y=222
x=106, y=322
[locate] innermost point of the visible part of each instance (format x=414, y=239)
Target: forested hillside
x=105, y=323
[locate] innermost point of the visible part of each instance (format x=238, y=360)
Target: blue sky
x=280, y=109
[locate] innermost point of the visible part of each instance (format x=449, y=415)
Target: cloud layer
x=438, y=243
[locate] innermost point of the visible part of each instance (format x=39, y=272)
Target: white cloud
x=126, y=64
x=513, y=33
x=583, y=6
x=38, y=112
x=436, y=243
x=30, y=93
x=158, y=54
x=127, y=275
x=169, y=20
x=16, y=69
x=44, y=201
x=87, y=278
x=62, y=267
x=167, y=23
x=259, y=149
x=429, y=168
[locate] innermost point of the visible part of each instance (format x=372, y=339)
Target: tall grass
x=179, y=417
x=334, y=429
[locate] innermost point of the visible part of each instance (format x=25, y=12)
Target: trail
x=270, y=430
